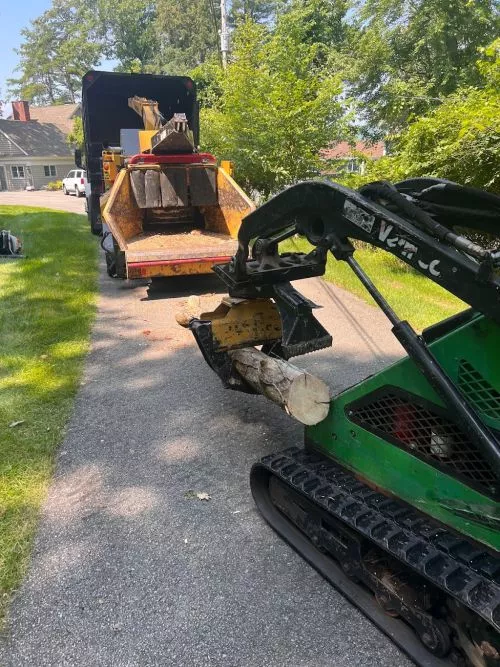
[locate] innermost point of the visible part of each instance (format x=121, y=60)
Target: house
x=351, y=157
x=33, y=146
x=60, y=115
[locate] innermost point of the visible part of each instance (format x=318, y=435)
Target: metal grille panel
x=426, y=433
x=479, y=391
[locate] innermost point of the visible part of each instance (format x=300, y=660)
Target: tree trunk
x=302, y=395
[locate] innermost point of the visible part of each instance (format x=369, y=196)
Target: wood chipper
x=164, y=208
x=395, y=497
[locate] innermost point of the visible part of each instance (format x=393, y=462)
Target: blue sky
x=13, y=17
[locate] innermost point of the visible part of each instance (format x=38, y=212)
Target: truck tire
x=115, y=258
x=94, y=215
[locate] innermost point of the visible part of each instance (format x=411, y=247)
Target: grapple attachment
x=284, y=325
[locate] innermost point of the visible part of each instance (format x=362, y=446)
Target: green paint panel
x=470, y=356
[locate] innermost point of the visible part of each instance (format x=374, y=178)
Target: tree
x=278, y=107
x=260, y=11
x=405, y=57
x=127, y=30
x=57, y=49
x=75, y=138
x=459, y=140
x=187, y=32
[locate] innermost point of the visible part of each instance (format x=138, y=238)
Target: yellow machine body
x=145, y=137
x=112, y=162
x=243, y=323
x=184, y=218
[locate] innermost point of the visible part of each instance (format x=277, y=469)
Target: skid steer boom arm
x=330, y=215
x=413, y=221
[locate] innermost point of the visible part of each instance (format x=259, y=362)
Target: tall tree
x=187, y=31
x=260, y=11
x=128, y=32
x=57, y=48
x=278, y=107
x=459, y=140
x=406, y=56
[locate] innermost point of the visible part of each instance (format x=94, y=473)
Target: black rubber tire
x=65, y=192
x=110, y=264
x=94, y=215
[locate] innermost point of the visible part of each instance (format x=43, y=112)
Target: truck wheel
x=110, y=264
x=94, y=215
x=115, y=258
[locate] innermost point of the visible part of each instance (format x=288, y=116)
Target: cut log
x=152, y=188
x=191, y=310
x=203, y=186
x=302, y=395
x=174, y=186
x=137, y=182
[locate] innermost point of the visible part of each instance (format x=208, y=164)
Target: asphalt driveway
x=129, y=567
x=45, y=199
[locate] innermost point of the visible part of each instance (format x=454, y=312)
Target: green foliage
x=186, y=33
x=75, y=138
x=460, y=140
x=320, y=22
x=276, y=110
x=57, y=49
x=54, y=185
x=208, y=77
x=260, y=11
x=406, y=56
x=127, y=31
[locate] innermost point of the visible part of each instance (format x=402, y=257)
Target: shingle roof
x=60, y=115
x=344, y=150
x=36, y=139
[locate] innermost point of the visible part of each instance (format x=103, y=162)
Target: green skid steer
x=395, y=497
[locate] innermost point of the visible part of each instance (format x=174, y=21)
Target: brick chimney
x=21, y=110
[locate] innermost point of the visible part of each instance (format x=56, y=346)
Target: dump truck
x=395, y=496
x=163, y=207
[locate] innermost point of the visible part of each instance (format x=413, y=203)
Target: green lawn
x=413, y=297
x=47, y=304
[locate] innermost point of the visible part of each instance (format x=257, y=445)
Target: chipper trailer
x=395, y=497
x=165, y=208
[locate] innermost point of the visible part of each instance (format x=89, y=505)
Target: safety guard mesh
x=428, y=434
x=479, y=391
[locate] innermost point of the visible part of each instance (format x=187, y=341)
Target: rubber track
x=460, y=568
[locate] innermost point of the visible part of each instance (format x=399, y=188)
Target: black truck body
x=106, y=112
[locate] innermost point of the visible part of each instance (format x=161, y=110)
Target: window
x=71, y=174
x=17, y=171
x=353, y=166
x=49, y=170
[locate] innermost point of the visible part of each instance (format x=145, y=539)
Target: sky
x=13, y=17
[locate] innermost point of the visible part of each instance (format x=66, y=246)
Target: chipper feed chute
x=395, y=498
x=165, y=209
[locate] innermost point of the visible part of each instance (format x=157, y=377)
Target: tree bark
x=302, y=395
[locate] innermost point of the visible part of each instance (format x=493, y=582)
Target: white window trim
x=50, y=167
x=18, y=166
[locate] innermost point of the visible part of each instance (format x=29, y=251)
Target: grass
x=414, y=297
x=47, y=304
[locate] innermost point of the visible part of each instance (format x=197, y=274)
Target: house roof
x=344, y=150
x=60, y=115
x=32, y=139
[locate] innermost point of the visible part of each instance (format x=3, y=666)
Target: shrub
x=54, y=185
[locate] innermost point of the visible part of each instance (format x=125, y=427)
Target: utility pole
x=224, y=34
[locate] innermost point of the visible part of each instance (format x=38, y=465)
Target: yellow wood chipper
x=163, y=208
